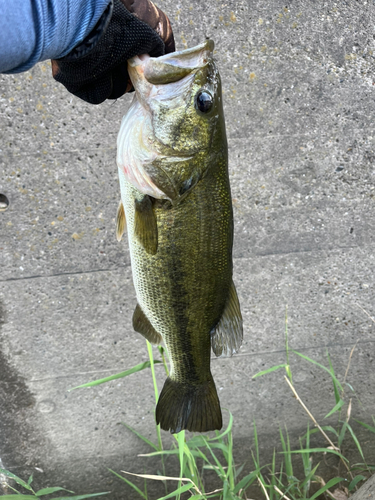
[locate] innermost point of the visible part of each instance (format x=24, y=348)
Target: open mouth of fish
x=165, y=81
x=174, y=66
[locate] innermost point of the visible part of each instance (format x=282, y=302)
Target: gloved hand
x=146, y=11
x=96, y=69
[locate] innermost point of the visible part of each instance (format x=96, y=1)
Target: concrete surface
x=366, y=492
x=299, y=100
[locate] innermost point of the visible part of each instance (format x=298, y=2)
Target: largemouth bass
x=175, y=197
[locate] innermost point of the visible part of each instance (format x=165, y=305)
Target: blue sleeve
x=36, y=30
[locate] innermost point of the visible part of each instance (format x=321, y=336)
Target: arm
x=96, y=69
x=89, y=41
x=36, y=30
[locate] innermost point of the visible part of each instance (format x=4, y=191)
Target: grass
x=275, y=480
x=43, y=493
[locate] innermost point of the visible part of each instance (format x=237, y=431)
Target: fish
x=172, y=157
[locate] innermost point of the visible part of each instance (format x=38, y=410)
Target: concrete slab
x=366, y=492
x=299, y=104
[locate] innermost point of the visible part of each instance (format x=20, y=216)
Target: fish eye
x=203, y=101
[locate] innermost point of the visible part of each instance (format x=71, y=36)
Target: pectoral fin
x=120, y=221
x=142, y=325
x=145, y=227
x=226, y=338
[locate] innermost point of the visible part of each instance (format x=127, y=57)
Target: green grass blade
x=246, y=481
x=48, y=491
x=317, y=450
x=161, y=351
x=82, y=497
x=362, y=467
x=30, y=480
x=308, y=434
x=17, y=479
x=137, y=368
x=309, y=477
x=269, y=370
x=162, y=452
x=190, y=460
x=355, y=481
x=129, y=483
x=289, y=372
x=17, y=497
x=289, y=456
x=181, y=489
x=145, y=486
x=256, y=444
x=355, y=439
x=203, y=457
x=227, y=430
x=306, y=461
x=258, y=468
x=369, y=427
x=14, y=489
x=305, y=457
x=286, y=451
x=287, y=367
x=337, y=407
x=152, y=363
x=150, y=443
x=281, y=472
x=221, y=446
x=282, y=440
x=321, y=366
x=330, y=483
x=156, y=391
x=194, y=453
x=327, y=428
x=239, y=469
x=337, y=394
x=225, y=490
x=197, y=441
x=231, y=468
x=181, y=445
x=273, y=475
x=205, y=497
x=218, y=464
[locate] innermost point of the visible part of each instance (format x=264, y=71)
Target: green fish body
x=175, y=197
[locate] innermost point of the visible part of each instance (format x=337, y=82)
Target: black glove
x=146, y=11
x=96, y=69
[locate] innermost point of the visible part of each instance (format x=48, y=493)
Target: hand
x=147, y=12
x=96, y=69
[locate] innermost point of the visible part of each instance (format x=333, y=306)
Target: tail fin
x=192, y=407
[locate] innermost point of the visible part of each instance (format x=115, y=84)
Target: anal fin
x=227, y=336
x=142, y=325
x=145, y=226
x=120, y=221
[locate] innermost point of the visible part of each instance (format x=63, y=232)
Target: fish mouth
x=174, y=66
x=208, y=45
x=163, y=81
